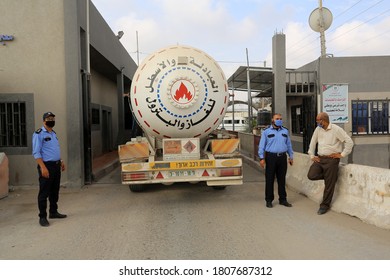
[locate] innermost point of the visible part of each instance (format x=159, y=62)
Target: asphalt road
x=181, y=222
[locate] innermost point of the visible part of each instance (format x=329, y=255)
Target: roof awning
x=260, y=80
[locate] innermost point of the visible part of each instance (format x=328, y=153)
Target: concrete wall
x=361, y=191
x=34, y=63
x=104, y=94
x=367, y=74
x=104, y=40
x=75, y=138
x=247, y=141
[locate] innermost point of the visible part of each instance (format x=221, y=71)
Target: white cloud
x=224, y=29
x=302, y=44
x=354, y=38
x=148, y=32
x=360, y=39
x=203, y=24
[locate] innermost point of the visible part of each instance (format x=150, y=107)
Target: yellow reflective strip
x=188, y=164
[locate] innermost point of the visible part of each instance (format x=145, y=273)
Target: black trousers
x=327, y=169
x=275, y=165
x=49, y=188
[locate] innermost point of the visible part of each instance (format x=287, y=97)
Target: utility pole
x=137, y=48
x=322, y=29
x=249, y=92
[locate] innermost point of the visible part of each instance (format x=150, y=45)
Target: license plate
x=181, y=173
x=186, y=164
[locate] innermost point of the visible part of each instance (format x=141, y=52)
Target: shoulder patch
x=39, y=130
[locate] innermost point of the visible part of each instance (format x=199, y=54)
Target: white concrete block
x=361, y=191
x=4, y=175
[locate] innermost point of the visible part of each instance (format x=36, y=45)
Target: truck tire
x=137, y=188
x=219, y=188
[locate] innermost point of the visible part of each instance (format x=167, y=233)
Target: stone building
x=61, y=56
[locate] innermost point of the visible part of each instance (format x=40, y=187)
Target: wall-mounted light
x=4, y=38
x=120, y=34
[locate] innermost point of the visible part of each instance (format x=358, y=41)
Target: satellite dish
x=315, y=19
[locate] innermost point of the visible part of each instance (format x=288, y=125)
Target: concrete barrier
x=4, y=175
x=361, y=191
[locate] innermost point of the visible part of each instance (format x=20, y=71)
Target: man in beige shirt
x=330, y=139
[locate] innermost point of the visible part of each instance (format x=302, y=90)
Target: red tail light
x=235, y=171
x=135, y=176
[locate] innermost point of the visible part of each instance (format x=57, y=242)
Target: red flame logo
x=183, y=92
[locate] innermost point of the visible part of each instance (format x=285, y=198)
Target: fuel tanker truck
x=178, y=97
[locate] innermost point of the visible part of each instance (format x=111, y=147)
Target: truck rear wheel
x=137, y=188
x=219, y=188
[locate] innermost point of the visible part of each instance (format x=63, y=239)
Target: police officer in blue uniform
x=274, y=146
x=46, y=151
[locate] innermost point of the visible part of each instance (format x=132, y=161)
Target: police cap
x=48, y=114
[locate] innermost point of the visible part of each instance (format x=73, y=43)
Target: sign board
x=185, y=148
x=335, y=102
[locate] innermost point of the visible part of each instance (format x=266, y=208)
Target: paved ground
x=183, y=221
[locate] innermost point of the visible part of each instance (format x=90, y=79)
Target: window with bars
x=370, y=117
x=95, y=116
x=13, y=124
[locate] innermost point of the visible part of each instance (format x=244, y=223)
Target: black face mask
x=50, y=123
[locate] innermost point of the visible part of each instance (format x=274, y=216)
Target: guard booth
x=301, y=92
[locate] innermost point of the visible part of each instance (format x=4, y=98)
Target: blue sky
x=226, y=28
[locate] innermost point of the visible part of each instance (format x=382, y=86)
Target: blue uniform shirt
x=45, y=145
x=275, y=140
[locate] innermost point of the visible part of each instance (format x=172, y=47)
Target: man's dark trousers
x=327, y=169
x=275, y=165
x=49, y=188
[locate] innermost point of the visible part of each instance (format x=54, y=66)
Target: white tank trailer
x=179, y=96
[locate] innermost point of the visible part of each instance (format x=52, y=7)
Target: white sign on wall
x=335, y=102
